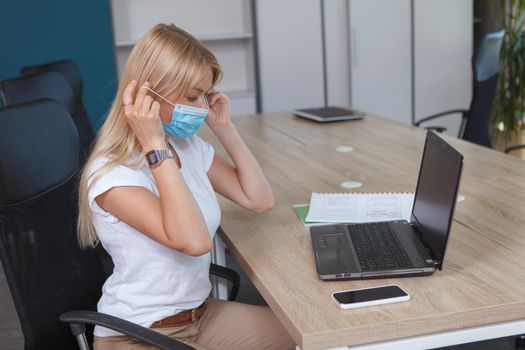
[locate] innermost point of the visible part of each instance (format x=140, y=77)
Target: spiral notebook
x=360, y=207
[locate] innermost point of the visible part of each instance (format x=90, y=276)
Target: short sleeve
x=207, y=152
x=115, y=177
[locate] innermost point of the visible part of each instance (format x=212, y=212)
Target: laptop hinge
x=435, y=260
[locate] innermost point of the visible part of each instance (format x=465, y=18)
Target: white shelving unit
x=225, y=27
x=203, y=38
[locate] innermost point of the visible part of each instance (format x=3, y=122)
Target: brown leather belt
x=180, y=319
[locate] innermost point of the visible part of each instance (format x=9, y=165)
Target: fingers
x=210, y=99
x=127, y=96
x=142, y=105
x=214, y=96
x=143, y=117
x=155, y=109
x=140, y=97
x=146, y=105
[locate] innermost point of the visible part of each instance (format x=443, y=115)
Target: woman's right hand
x=143, y=117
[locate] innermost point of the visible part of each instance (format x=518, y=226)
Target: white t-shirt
x=151, y=281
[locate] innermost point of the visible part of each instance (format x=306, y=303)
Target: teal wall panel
x=36, y=31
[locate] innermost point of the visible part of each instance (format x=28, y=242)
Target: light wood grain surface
x=483, y=279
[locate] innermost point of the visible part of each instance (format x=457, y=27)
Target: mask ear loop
x=159, y=95
x=171, y=103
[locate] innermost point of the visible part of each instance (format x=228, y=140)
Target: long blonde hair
x=170, y=59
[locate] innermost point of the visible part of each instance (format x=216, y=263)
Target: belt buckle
x=193, y=315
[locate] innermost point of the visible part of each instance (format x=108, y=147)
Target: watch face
x=152, y=158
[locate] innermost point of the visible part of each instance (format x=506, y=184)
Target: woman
x=148, y=195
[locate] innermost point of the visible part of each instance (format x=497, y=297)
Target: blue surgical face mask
x=185, y=121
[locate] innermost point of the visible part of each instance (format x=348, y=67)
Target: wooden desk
x=483, y=280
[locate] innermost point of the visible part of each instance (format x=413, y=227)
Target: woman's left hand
x=219, y=111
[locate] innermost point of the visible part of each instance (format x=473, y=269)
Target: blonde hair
x=171, y=60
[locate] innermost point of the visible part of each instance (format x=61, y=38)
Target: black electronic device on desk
x=328, y=114
x=397, y=248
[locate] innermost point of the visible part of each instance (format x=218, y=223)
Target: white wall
x=368, y=56
x=443, y=72
x=380, y=44
x=290, y=55
x=368, y=51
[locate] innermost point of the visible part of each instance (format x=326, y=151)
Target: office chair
x=51, y=85
x=71, y=71
x=36, y=86
x=475, y=121
x=514, y=148
x=48, y=274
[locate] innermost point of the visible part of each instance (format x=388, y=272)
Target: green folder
x=302, y=210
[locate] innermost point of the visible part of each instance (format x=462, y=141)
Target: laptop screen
x=436, y=193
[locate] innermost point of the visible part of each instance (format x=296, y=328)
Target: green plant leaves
x=509, y=104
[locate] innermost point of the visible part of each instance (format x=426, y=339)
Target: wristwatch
x=155, y=157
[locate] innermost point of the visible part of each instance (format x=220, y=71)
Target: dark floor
x=11, y=337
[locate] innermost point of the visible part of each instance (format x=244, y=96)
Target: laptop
x=328, y=114
x=397, y=248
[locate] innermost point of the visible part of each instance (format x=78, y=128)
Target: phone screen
x=369, y=294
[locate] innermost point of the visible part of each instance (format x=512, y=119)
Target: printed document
x=360, y=207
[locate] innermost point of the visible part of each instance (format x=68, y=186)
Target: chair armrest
x=77, y=320
x=228, y=274
x=454, y=111
x=514, y=148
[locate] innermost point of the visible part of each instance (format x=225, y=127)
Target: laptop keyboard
x=377, y=247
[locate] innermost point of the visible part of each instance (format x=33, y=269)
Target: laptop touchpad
x=334, y=254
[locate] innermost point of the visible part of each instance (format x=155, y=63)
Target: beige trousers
x=225, y=325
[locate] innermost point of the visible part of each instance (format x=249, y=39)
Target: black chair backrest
x=36, y=86
x=486, y=73
x=68, y=69
x=46, y=270
x=53, y=85
x=72, y=73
